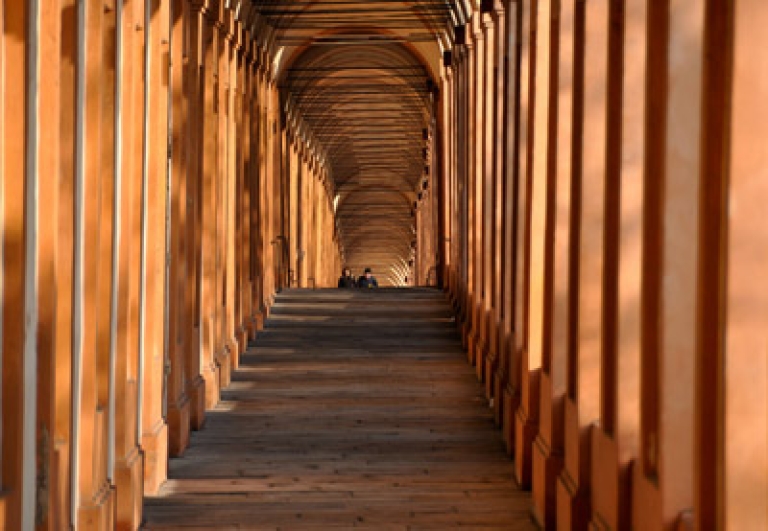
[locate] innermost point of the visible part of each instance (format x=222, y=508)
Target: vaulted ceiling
x=362, y=78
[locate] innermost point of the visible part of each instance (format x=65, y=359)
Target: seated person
x=367, y=280
x=346, y=280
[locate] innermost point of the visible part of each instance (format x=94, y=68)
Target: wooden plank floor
x=354, y=409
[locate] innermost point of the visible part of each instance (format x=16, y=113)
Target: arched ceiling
x=361, y=76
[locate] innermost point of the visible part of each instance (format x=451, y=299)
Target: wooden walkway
x=355, y=409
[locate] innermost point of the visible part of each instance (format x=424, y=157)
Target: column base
x=605, y=485
x=241, y=339
x=235, y=352
x=491, y=364
x=492, y=360
x=467, y=340
x=155, y=447
x=452, y=299
x=525, y=433
x=99, y=513
x=257, y=324
x=458, y=309
x=466, y=322
x=481, y=344
x=178, y=426
x=210, y=374
x=572, y=504
x=4, y=509
x=546, y=470
x=196, y=394
x=498, y=394
x=511, y=402
x=129, y=489
x=59, y=511
x=646, y=501
x=481, y=356
x=501, y=377
x=250, y=329
x=224, y=365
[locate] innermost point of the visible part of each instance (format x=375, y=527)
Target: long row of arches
x=584, y=179
x=602, y=247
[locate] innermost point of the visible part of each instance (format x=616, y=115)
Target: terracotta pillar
x=278, y=194
x=478, y=80
x=241, y=205
x=301, y=246
x=463, y=191
x=441, y=158
x=444, y=140
x=617, y=438
x=292, y=238
x=154, y=430
x=536, y=362
x=506, y=378
x=245, y=214
x=458, y=187
x=209, y=133
x=263, y=185
x=741, y=500
x=497, y=343
x=108, y=273
x=665, y=471
x=63, y=211
x=193, y=152
x=526, y=380
x=270, y=181
x=220, y=67
x=582, y=407
x=93, y=277
x=467, y=181
x=517, y=210
x=252, y=180
x=451, y=129
x=177, y=407
x=486, y=355
x=128, y=471
x=453, y=206
x=548, y=446
x=225, y=198
x=13, y=143
x=52, y=504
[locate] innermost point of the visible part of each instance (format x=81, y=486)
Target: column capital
x=496, y=8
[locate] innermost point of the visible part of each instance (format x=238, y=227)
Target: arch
x=369, y=103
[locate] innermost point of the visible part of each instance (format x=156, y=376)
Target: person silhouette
x=367, y=280
x=346, y=280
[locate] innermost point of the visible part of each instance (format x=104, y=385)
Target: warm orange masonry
x=568, y=195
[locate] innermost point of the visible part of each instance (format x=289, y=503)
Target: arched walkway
x=584, y=181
